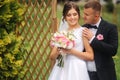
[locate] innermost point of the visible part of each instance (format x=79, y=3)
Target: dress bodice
x=78, y=39
x=78, y=42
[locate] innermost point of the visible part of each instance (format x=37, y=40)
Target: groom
x=103, y=37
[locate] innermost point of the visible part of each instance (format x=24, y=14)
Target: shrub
x=11, y=48
x=110, y=6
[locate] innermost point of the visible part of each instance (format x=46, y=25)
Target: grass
x=111, y=17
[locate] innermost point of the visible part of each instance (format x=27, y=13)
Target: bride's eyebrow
x=69, y=14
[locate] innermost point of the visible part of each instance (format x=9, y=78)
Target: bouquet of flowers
x=65, y=40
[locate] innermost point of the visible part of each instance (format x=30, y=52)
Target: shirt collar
x=98, y=23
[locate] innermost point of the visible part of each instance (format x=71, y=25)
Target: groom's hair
x=95, y=5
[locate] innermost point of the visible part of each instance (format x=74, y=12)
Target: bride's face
x=72, y=17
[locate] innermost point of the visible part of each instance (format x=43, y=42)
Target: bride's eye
x=75, y=14
x=68, y=15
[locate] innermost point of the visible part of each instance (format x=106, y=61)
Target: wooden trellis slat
x=39, y=23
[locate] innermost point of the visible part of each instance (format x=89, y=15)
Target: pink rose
x=100, y=37
x=62, y=39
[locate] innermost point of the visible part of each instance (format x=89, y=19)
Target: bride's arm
x=54, y=53
x=53, y=56
x=87, y=55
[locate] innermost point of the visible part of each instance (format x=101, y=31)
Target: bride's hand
x=66, y=51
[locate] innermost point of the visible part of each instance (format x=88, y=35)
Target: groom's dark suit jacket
x=105, y=49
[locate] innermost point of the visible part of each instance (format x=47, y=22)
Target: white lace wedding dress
x=74, y=67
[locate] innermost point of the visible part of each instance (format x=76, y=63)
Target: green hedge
x=11, y=49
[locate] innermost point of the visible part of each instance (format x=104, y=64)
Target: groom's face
x=89, y=16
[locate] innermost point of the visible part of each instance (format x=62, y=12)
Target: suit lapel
x=100, y=28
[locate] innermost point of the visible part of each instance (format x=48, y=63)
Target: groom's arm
x=109, y=44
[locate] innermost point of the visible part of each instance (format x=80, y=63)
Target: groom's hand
x=87, y=33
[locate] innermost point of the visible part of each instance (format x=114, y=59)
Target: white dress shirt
x=91, y=64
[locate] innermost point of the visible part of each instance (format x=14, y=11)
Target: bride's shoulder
x=81, y=28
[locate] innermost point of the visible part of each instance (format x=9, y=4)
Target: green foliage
x=10, y=14
x=11, y=48
x=110, y=6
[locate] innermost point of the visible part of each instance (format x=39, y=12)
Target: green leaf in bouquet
x=60, y=61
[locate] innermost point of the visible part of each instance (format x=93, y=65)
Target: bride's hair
x=69, y=5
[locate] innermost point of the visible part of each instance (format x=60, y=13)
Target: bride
x=75, y=60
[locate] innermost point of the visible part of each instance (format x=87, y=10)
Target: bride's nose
x=72, y=16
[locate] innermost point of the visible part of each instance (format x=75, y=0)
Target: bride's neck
x=73, y=27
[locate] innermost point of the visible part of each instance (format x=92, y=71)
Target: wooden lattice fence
x=40, y=21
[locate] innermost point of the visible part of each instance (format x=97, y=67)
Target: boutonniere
x=100, y=37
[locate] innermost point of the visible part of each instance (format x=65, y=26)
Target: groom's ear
x=97, y=14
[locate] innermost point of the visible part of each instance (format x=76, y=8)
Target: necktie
x=90, y=26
